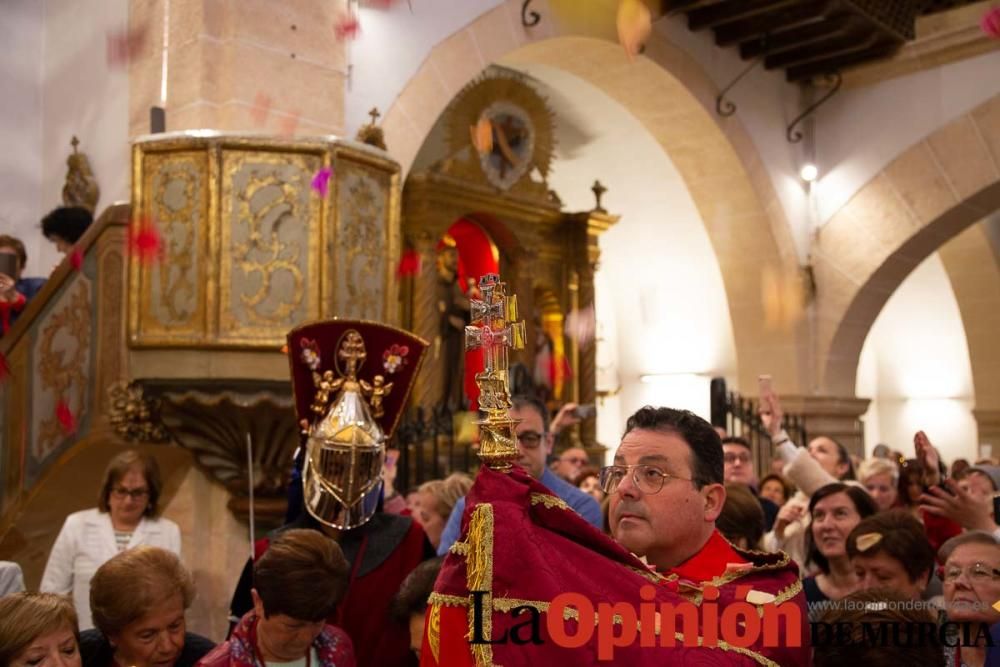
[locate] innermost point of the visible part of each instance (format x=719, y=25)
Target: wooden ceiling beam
x=676, y=6
x=796, y=37
x=827, y=50
x=730, y=12
x=800, y=14
x=819, y=68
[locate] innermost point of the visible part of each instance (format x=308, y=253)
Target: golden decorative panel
x=62, y=362
x=361, y=254
x=111, y=364
x=270, y=218
x=174, y=195
x=250, y=248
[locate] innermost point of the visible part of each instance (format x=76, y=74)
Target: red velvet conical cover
x=393, y=353
x=521, y=547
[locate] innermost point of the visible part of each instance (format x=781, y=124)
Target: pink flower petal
x=347, y=26
x=321, y=181
x=261, y=108
x=990, y=23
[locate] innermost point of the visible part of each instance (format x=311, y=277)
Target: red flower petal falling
x=990, y=23
x=288, y=124
x=261, y=109
x=347, y=27
x=124, y=45
x=409, y=263
x=66, y=418
x=76, y=259
x=144, y=241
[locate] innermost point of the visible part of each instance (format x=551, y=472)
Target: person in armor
x=351, y=381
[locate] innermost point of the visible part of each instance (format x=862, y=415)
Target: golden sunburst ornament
x=507, y=125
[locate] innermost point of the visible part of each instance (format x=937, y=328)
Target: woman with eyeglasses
x=127, y=515
x=971, y=575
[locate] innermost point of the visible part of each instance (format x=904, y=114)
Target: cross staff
x=494, y=332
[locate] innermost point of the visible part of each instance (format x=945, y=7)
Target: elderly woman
x=890, y=550
x=880, y=477
x=38, y=630
x=125, y=517
x=971, y=575
x=435, y=501
x=297, y=584
x=138, y=599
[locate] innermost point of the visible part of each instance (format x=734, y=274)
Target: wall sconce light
x=809, y=172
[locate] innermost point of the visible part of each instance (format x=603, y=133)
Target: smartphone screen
x=8, y=264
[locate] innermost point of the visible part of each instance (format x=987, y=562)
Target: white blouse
x=87, y=541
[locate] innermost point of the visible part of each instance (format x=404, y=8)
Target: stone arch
x=927, y=196
x=669, y=93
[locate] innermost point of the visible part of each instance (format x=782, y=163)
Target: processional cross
x=494, y=330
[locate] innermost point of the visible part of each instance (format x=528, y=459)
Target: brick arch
x=930, y=194
x=673, y=98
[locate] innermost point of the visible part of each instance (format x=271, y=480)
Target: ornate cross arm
x=494, y=332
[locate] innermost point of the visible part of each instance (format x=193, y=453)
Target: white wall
x=915, y=367
x=392, y=45
x=21, y=45
x=862, y=130
x=55, y=83
x=765, y=104
x=661, y=303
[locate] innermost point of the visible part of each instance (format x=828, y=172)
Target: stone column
x=838, y=417
x=988, y=422
x=231, y=67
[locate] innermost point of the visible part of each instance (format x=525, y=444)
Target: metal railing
x=740, y=416
x=428, y=448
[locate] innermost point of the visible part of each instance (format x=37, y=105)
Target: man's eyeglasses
x=733, y=457
x=977, y=573
x=121, y=492
x=647, y=478
x=530, y=439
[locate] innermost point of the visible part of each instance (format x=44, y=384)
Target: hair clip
x=867, y=541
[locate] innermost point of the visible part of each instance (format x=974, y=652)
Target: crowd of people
x=884, y=533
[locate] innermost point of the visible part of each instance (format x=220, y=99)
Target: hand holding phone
x=585, y=411
x=8, y=266
x=765, y=385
